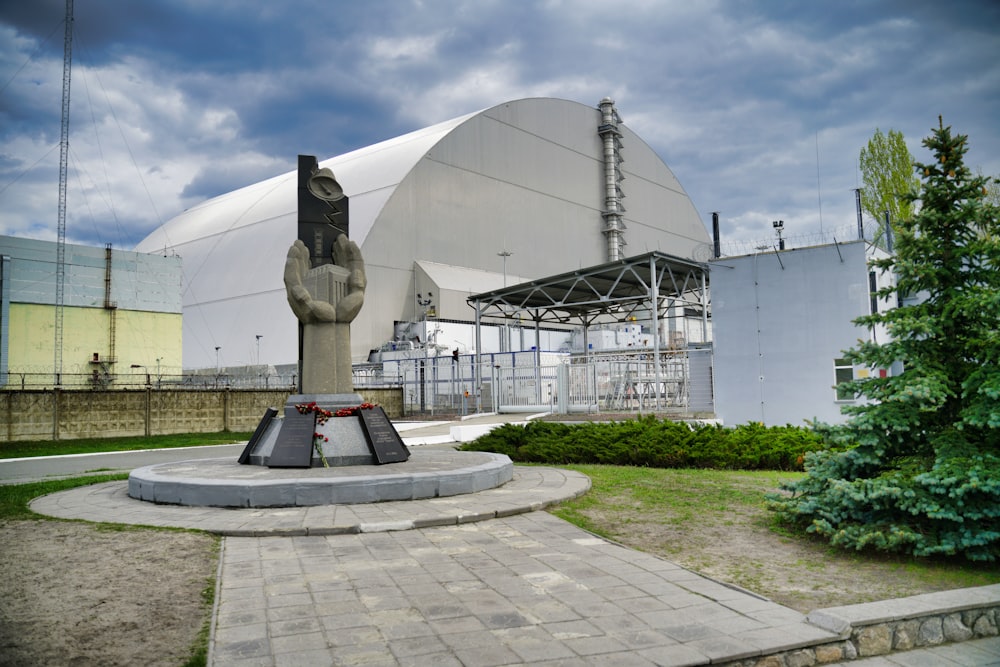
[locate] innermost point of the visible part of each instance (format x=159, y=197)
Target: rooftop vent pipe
x=716, y=237
x=614, y=225
x=857, y=204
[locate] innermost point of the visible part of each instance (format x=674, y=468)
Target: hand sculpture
x=306, y=306
x=326, y=311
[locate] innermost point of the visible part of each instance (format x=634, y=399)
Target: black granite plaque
x=294, y=446
x=382, y=437
x=265, y=421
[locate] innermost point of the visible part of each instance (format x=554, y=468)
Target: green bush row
x=654, y=443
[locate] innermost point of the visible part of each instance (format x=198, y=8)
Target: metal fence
x=445, y=384
x=231, y=379
x=677, y=382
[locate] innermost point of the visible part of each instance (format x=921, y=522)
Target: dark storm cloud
x=760, y=109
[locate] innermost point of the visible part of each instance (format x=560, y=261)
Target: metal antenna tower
x=61, y=225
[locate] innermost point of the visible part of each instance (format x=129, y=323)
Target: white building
x=781, y=321
x=433, y=211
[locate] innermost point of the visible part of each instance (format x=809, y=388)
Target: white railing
x=676, y=382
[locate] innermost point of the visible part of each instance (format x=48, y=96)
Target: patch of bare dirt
x=78, y=594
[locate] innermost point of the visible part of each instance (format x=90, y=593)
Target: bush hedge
x=653, y=443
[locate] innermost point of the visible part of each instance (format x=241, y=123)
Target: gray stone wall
x=70, y=415
x=866, y=636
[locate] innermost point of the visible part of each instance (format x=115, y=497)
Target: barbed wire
x=840, y=234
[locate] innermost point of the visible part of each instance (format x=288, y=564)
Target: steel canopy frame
x=610, y=292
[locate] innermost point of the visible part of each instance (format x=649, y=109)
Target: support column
x=704, y=308
x=654, y=298
x=477, y=359
x=538, y=359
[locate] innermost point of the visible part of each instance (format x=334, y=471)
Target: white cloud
x=418, y=48
x=734, y=97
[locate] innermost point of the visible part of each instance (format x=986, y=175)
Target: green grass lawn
x=13, y=450
x=14, y=498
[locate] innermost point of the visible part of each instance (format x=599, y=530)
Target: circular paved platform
x=530, y=489
x=226, y=483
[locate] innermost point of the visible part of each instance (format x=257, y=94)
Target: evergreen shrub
x=653, y=443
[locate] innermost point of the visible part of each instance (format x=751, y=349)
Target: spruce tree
x=916, y=468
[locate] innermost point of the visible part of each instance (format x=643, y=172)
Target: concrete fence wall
x=69, y=415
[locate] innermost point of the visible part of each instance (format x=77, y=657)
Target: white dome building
x=431, y=210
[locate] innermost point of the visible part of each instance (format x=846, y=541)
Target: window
x=873, y=290
x=843, y=372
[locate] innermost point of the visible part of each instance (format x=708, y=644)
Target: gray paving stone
x=677, y=655
x=370, y=655
x=591, y=646
x=533, y=644
x=311, y=658
x=297, y=626
x=423, y=644
x=239, y=616
x=239, y=649
x=619, y=660
x=436, y=659
x=457, y=625
x=339, y=637
x=719, y=648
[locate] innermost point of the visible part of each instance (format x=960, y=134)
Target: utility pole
x=61, y=224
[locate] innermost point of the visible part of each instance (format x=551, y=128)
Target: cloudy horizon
x=759, y=109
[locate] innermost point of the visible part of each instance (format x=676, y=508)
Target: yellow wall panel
x=147, y=339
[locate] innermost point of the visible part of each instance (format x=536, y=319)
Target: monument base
x=287, y=442
x=225, y=483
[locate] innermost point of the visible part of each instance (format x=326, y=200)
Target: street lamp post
x=424, y=303
x=505, y=254
x=505, y=331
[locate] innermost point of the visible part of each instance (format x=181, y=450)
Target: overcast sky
x=759, y=108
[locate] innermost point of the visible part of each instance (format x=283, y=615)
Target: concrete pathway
x=481, y=579
x=527, y=589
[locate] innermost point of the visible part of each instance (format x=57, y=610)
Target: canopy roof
x=613, y=291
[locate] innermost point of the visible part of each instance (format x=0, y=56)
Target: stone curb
x=888, y=626
x=531, y=489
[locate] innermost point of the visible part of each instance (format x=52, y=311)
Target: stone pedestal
x=326, y=346
x=346, y=445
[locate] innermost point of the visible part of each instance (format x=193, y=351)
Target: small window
x=873, y=290
x=843, y=372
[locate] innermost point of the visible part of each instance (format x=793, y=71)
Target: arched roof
x=526, y=171
x=367, y=175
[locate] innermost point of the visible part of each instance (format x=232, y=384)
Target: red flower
x=322, y=415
